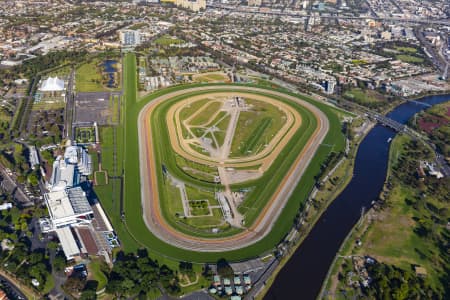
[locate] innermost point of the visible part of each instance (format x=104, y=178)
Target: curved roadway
x=263, y=224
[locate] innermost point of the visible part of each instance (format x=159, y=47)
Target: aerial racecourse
x=218, y=163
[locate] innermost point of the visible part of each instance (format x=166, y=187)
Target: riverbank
x=393, y=231
x=390, y=252
x=322, y=200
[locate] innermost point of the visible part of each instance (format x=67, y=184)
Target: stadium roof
x=80, y=203
x=66, y=206
x=68, y=243
x=52, y=84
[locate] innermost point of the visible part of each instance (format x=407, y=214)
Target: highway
x=263, y=225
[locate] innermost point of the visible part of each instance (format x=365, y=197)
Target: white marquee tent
x=52, y=84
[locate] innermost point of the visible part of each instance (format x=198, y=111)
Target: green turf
x=173, y=205
x=135, y=233
x=211, y=78
x=250, y=144
x=191, y=108
x=205, y=113
x=100, y=178
x=406, y=49
x=167, y=40
x=55, y=103
x=409, y=58
x=88, y=78
x=364, y=96
x=255, y=128
x=97, y=273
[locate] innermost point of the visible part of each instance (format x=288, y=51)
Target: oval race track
x=153, y=218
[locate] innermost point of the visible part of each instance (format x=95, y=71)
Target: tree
x=59, y=262
x=74, y=284
x=224, y=269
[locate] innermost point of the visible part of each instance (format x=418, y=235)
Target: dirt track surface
x=263, y=224
x=263, y=158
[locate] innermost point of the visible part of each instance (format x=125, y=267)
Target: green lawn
x=100, y=178
x=364, y=96
x=58, y=103
x=213, y=77
x=409, y=58
x=406, y=49
x=204, y=114
x=136, y=234
x=88, y=78
x=95, y=270
x=167, y=40
x=256, y=128
x=191, y=108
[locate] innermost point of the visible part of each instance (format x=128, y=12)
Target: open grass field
x=205, y=113
x=92, y=77
x=101, y=178
x=406, y=49
x=58, y=103
x=167, y=40
x=210, y=77
x=88, y=78
x=133, y=233
x=364, y=96
x=409, y=58
x=114, y=103
x=257, y=127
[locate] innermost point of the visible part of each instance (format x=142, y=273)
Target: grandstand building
x=68, y=169
x=80, y=224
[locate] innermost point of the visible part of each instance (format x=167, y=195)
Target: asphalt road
x=263, y=225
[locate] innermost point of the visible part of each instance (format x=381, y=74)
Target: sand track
x=263, y=224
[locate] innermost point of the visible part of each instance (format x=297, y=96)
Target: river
x=302, y=276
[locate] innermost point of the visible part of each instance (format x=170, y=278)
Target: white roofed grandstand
x=68, y=207
x=67, y=169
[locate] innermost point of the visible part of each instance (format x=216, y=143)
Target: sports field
x=210, y=77
x=134, y=232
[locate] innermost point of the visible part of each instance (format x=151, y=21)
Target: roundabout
x=219, y=163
